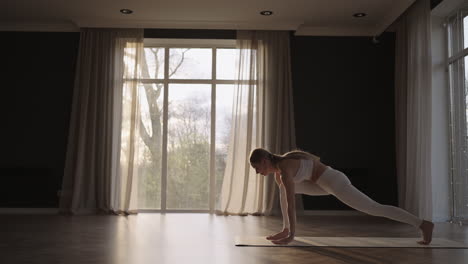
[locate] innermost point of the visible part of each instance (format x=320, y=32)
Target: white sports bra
x=305, y=170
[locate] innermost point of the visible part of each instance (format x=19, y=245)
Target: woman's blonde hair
x=259, y=153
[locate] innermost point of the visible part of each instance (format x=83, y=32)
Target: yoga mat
x=370, y=242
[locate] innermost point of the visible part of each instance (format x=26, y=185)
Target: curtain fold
x=262, y=117
x=98, y=175
x=413, y=109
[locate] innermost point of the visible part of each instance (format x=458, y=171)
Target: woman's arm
x=290, y=197
x=283, y=202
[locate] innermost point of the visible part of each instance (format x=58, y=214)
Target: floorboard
x=202, y=238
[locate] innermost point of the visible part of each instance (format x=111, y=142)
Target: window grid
x=167, y=81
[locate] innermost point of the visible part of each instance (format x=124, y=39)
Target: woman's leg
x=309, y=188
x=336, y=183
x=359, y=201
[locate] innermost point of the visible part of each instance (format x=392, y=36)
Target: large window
x=186, y=95
x=457, y=32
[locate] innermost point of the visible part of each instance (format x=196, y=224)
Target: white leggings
x=336, y=183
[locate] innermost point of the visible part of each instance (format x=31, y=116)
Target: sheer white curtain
x=99, y=174
x=413, y=109
x=262, y=117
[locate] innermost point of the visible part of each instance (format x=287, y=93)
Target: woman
x=302, y=172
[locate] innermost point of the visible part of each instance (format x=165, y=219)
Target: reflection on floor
x=202, y=238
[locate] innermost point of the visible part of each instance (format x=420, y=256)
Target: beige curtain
x=413, y=109
x=99, y=176
x=262, y=117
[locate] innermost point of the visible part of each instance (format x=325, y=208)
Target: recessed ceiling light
x=266, y=13
x=126, y=11
x=360, y=15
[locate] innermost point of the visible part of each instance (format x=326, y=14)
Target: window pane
x=224, y=101
x=226, y=64
x=149, y=171
x=153, y=63
x=458, y=118
x=465, y=84
x=460, y=98
x=188, y=147
x=190, y=63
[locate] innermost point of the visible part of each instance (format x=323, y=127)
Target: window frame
x=167, y=44
x=458, y=131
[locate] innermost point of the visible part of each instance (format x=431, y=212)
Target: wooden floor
x=203, y=238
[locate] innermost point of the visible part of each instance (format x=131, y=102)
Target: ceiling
x=305, y=17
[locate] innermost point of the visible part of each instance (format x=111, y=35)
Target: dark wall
x=37, y=84
x=435, y=3
x=344, y=109
x=343, y=97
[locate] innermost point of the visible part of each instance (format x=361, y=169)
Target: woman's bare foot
x=279, y=235
x=426, y=228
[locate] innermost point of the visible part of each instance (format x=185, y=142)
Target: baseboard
x=440, y=219
x=56, y=210
x=21, y=211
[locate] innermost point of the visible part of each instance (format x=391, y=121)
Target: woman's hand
x=284, y=241
x=279, y=235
